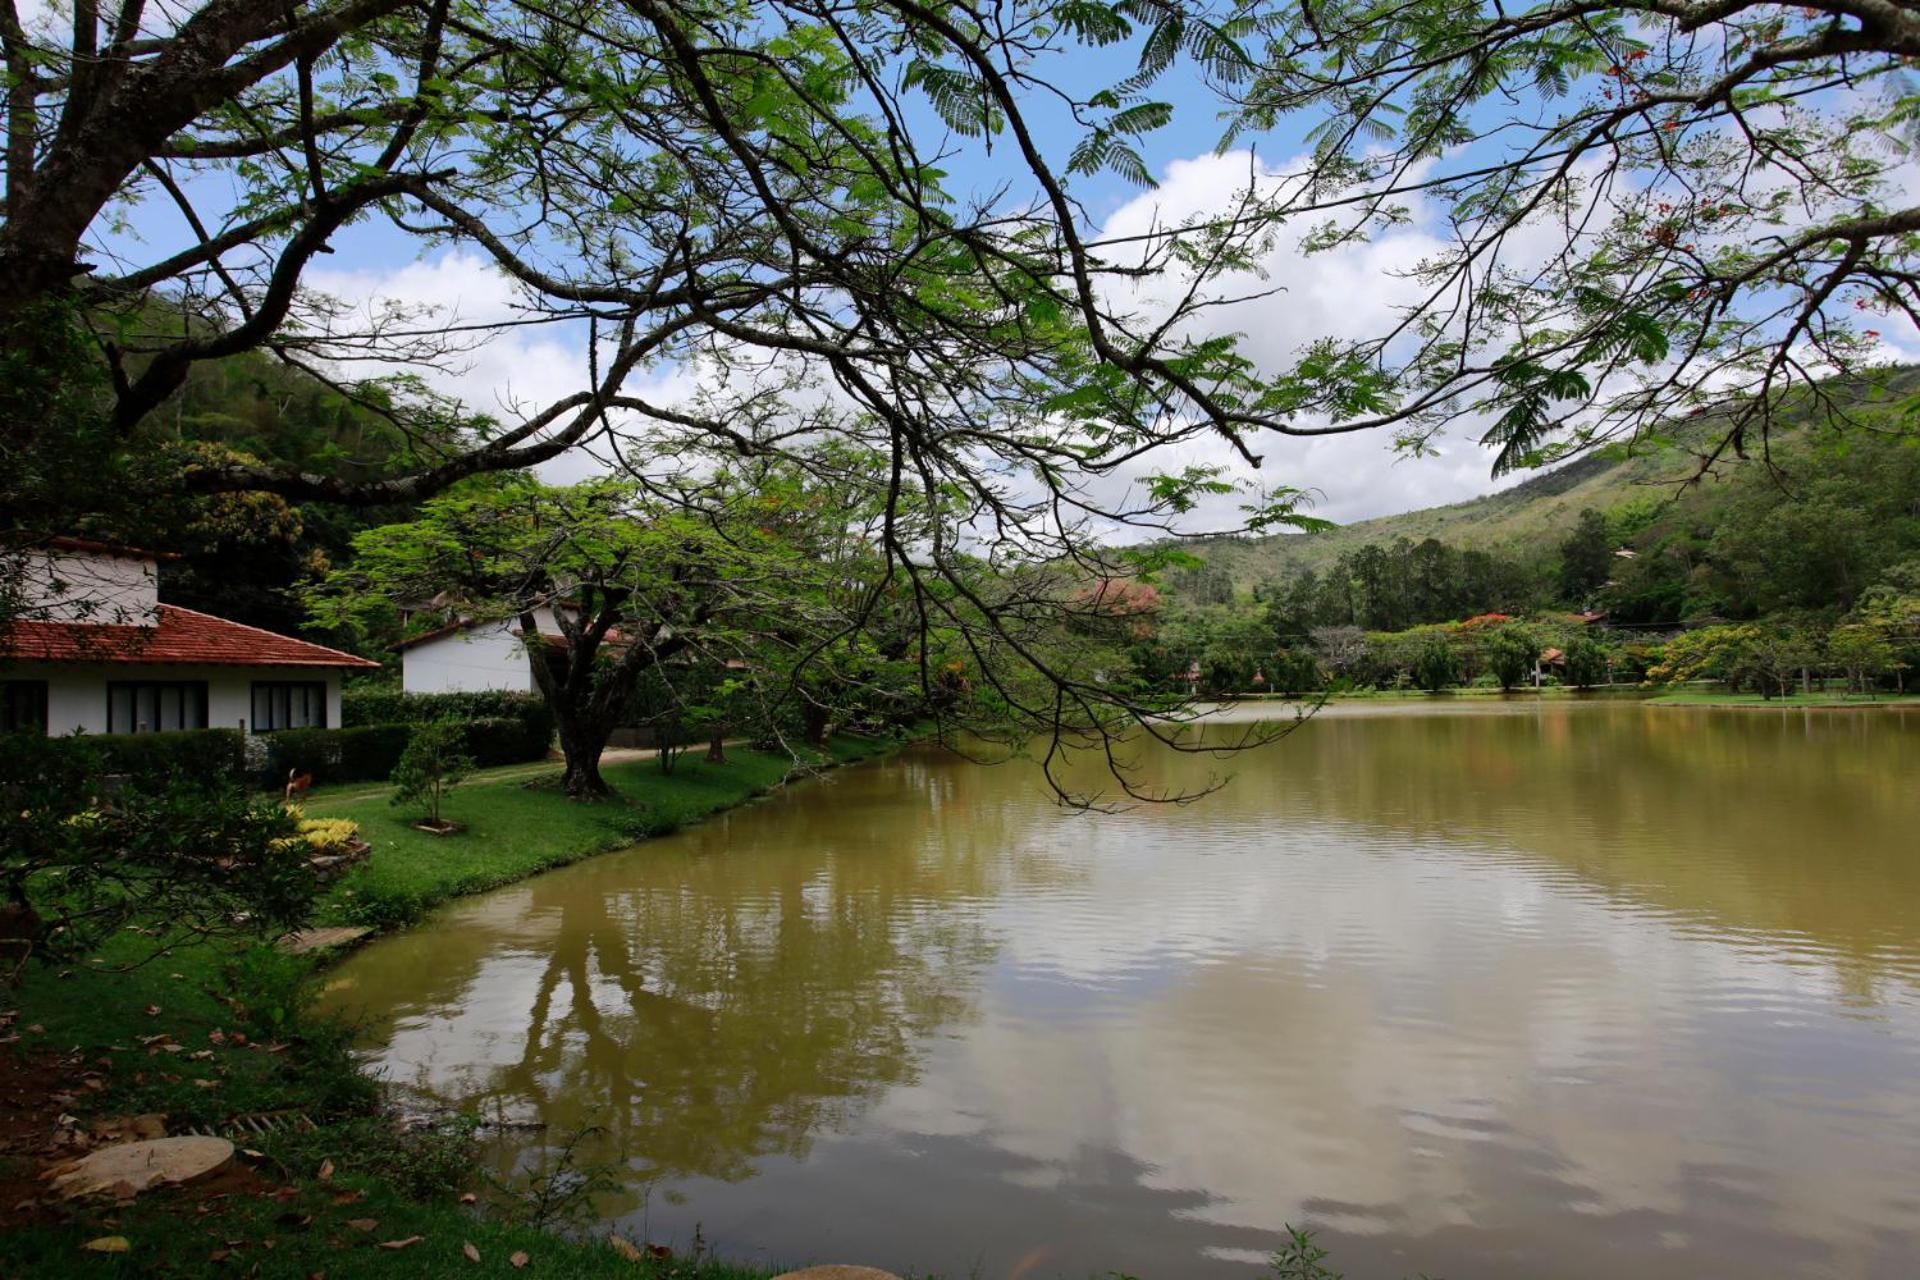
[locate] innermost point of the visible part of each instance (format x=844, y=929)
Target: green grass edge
x=200, y=996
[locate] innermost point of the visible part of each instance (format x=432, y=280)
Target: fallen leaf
x=518, y=1258
x=409, y=1242
x=153, y=1011
x=206, y=1084
x=107, y=1244
x=473, y=1254
x=363, y=1224
x=467, y=1197
x=624, y=1247
x=326, y=1170
x=346, y=1197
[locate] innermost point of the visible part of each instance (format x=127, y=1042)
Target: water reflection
x=1574, y=992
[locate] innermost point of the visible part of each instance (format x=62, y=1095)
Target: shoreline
x=207, y=1034
x=1637, y=694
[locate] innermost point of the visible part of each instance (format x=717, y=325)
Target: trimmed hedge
x=387, y=705
x=209, y=757
x=498, y=740
x=365, y=754
x=368, y=753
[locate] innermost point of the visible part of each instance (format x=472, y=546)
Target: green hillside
x=1526, y=520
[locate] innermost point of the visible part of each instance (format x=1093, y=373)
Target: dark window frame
x=11, y=721
x=313, y=689
x=178, y=686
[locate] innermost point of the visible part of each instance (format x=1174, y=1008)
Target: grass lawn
x=208, y=1032
x=518, y=822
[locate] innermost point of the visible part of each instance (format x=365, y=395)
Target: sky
x=1347, y=292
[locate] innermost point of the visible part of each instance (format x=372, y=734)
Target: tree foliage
x=184, y=858
x=1437, y=666
x=1511, y=654
x=1645, y=210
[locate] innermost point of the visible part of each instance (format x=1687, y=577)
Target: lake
x=1544, y=990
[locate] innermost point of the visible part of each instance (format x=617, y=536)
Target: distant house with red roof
x=98, y=653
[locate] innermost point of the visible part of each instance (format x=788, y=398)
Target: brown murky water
x=1566, y=992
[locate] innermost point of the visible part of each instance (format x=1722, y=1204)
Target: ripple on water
x=1489, y=996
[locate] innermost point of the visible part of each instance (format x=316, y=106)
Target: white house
x=101, y=654
x=468, y=657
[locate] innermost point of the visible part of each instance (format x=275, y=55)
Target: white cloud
x=1351, y=292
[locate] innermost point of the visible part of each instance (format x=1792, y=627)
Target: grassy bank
x=1616, y=693
x=519, y=823
x=1793, y=702
x=208, y=1033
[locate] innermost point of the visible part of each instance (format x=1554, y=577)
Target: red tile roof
x=183, y=636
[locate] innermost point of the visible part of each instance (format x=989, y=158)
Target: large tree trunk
x=717, y=745
x=816, y=719
x=582, y=742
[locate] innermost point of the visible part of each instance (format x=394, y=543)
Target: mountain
x=1528, y=520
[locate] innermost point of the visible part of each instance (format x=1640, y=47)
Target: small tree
x=1295, y=671
x=1342, y=649
x=434, y=763
x=1437, y=667
x=1586, y=663
x=1511, y=653
x=1862, y=651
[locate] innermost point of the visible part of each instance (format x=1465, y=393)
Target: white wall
x=77, y=691
x=488, y=656
x=76, y=586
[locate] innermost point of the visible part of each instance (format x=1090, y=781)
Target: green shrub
x=207, y=757
x=193, y=859
x=390, y=706
x=503, y=727
x=1437, y=667
x=365, y=754
x=1586, y=663
x=1511, y=654
x=507, y=740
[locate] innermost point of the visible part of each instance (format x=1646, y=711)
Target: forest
x=1761, y=575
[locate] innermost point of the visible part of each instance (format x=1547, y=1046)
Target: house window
x=295, y=705
x=23, y=706
x=156, y=706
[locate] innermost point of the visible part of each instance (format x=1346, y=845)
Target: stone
x=839, y=1273
x=128, y=1168
x=319, y=939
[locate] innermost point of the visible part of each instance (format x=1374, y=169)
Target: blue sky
x=1353, y=477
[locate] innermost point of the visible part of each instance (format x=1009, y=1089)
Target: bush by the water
x=80, y=859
